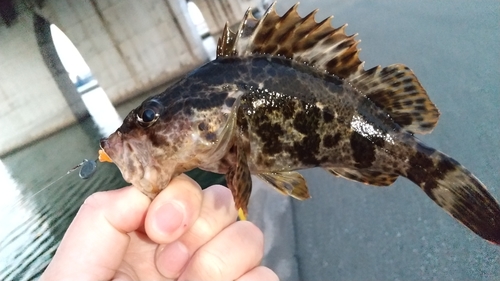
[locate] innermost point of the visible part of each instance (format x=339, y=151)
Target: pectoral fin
x=239, y=181
x=288, y=183
x=365, y=176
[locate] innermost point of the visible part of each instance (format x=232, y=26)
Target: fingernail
x=169, y=217
x=172, y=259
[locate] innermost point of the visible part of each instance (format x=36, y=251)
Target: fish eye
x=149, y=114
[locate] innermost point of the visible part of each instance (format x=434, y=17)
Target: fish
x=287, y=93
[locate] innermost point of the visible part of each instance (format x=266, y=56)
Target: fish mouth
x=135, y=164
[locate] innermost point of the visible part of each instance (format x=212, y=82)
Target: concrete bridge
x=130, y=46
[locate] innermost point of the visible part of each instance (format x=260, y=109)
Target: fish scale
x=287, y=93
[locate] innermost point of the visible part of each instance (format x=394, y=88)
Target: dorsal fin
x=398, y=92
x=319, y=45
x=301, y=39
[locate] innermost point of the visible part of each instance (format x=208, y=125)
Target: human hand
x=183, y=234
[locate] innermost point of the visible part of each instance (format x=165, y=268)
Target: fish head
x=163, y=138
x=152, y=146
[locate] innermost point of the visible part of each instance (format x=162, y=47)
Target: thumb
x=96, y=241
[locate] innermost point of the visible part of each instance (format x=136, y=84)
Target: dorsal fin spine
x=394, y=89
x=295, y=37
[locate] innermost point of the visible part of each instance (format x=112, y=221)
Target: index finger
x=96, y=241
x=174, y=210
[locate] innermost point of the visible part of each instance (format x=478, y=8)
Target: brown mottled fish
x=288, y=93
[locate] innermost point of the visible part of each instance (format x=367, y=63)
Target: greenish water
x=33, y=224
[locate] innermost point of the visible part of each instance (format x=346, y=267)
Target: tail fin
x=457, y=191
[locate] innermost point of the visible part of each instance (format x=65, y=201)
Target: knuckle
x=252, y=231
x=209, y=265
x=203, y=228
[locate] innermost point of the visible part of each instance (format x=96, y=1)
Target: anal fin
x=396, y=90
x=288, y=183
x=365, y=176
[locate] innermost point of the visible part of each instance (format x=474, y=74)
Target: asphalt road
x=349, y=231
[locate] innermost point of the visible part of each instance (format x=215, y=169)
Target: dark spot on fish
x=426, y=125
x=307, y=149
x=202, y=126
x=396, y=84
x=346, y=61
x=408, y=102
x=344, y=45
x=407, y=80
x=229, y=102
x=422, y=168
x=400, y=75
x=345, y=72
x=288, y=109
x=420, y=107
x=446, y=165
x=397, y=105
x=307, y=44
x=410, y=88
x=377, y=141
x=327, y=116
x=427, y=150
x=371, y=71
x=380, y=98
x=269, y=134
x=211, y=136
x=332, y=64
x=129, y=147
x=363, y=150
x=420, y=100
x=387, y=71
x=264, y=34
x=330, y=41
x=307, y=121
x=403, y=119
x=130, y=167
x=285, y=51
x=156, y=140
x=330, y=141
